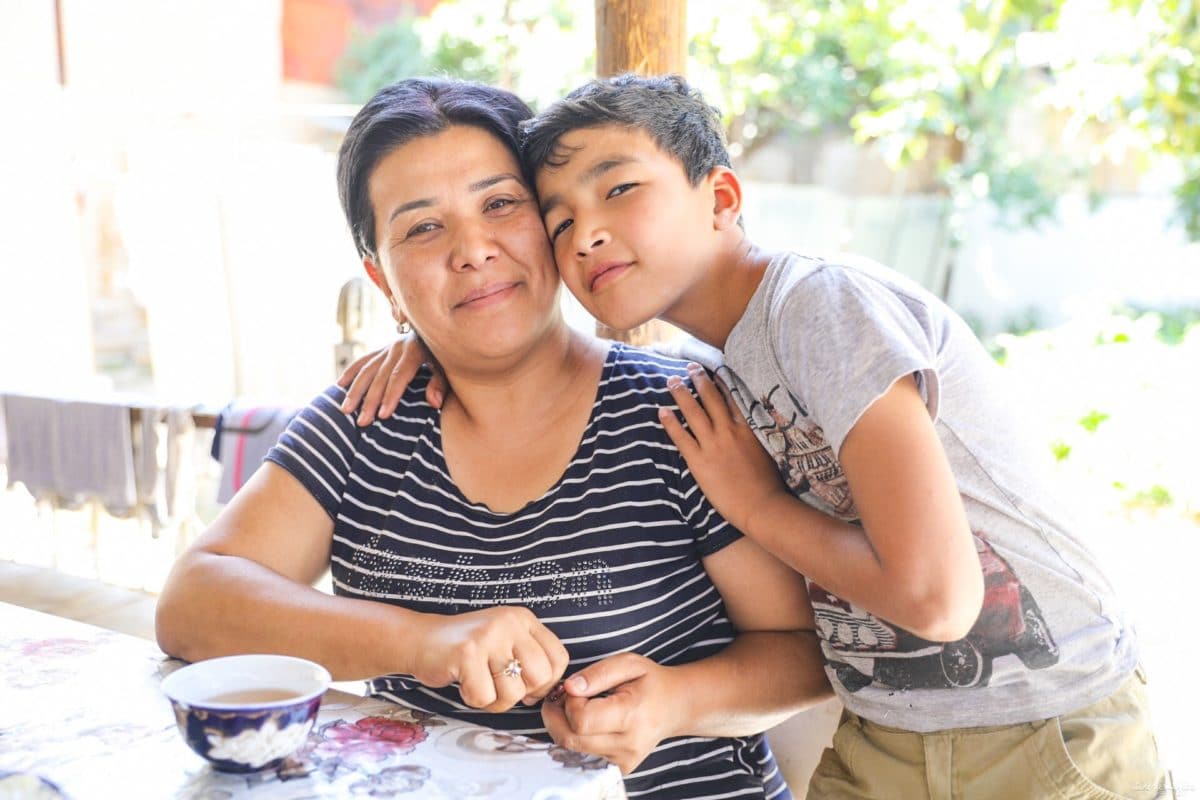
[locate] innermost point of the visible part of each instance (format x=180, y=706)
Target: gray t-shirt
x=817, y=345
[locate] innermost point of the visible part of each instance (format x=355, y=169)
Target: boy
x=977, y=647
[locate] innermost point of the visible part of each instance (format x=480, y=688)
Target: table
x=81, y=707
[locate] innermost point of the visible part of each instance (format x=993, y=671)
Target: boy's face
x=631, y=235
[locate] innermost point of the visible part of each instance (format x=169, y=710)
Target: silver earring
x=403, y=328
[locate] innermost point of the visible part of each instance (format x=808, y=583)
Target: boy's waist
x=1012, y=695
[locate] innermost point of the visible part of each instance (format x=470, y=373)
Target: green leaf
x=1156, y=496
x=1091, y=421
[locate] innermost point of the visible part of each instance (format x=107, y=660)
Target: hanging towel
x=180, y=473
x=244, y=435
x=163, y=442
x=70, y=451
x=149, y=464
x=30, y=425
x=94, y=452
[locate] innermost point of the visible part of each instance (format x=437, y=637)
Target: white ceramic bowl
x=222, y=722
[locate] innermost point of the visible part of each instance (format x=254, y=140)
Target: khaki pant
x=1103, y=751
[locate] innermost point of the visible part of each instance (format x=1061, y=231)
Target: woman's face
x=462, y=248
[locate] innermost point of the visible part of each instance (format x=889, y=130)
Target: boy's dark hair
x=676, y=115
x=404, y=111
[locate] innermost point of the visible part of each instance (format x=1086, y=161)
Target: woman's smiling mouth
x=487, y=295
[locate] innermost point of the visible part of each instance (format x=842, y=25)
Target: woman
x=539, y=524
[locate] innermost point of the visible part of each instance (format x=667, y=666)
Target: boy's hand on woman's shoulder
x=729, y=464
x=375, y=382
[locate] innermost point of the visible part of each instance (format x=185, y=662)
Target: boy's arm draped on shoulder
x=913, y=561
x=376, y=381
x=912, y=512
x=862, y=358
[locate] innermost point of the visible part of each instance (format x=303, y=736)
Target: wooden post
x=60, y=43
x=647, y=37
x=643, y=36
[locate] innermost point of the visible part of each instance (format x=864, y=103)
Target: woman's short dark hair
x=674, y=113
x=404, y=111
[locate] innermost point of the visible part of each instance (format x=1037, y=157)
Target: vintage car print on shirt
x=861, y=649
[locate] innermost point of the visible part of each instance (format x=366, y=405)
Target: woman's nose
x=475, y=245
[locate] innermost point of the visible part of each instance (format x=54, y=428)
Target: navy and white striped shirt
x=609, y=558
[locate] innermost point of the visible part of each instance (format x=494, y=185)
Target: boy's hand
x=378, y=380
x=619, y=708
x=733, y=470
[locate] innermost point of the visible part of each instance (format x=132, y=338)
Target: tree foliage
x=539, y=49
x=1165, y=108
x=1017, y=101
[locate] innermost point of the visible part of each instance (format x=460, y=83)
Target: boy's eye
x=620, y=188
x=562, y=226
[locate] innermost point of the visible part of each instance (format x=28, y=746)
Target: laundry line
x=132, y=457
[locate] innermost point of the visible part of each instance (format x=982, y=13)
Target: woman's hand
x=734, y=471
x=473, y=650
x=375, y=382
x=619, y=708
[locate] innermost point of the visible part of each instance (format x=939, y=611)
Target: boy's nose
x=590, y=240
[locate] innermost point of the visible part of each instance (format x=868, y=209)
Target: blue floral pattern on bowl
x=246, y=713
x=246, y=739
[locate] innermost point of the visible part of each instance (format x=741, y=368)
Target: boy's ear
x=727, y=197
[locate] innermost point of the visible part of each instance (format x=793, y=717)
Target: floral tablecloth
x=82, y=716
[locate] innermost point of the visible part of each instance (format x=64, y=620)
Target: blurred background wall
x=171, y=225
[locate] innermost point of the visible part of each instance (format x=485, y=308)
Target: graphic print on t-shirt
x=859, y=648
x=804, y=458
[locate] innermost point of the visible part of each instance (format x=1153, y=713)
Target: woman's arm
x=622, y=707
x=774, y=668
x=245, y=586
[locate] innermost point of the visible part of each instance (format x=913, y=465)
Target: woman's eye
x=620, y=189
x=562, y=226
x=499, y=202
x=418, y=229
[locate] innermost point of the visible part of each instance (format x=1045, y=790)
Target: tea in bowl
x=246, y=713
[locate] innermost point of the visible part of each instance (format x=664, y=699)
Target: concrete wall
x=1124, y=251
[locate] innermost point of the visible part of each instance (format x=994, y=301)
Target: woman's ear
x=376, y=276
x=727, y=197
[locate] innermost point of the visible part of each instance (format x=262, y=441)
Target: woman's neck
x=532, y=386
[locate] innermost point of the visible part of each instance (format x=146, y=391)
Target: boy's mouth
x=606, y=272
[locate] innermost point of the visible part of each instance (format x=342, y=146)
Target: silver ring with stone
x=511, y=670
